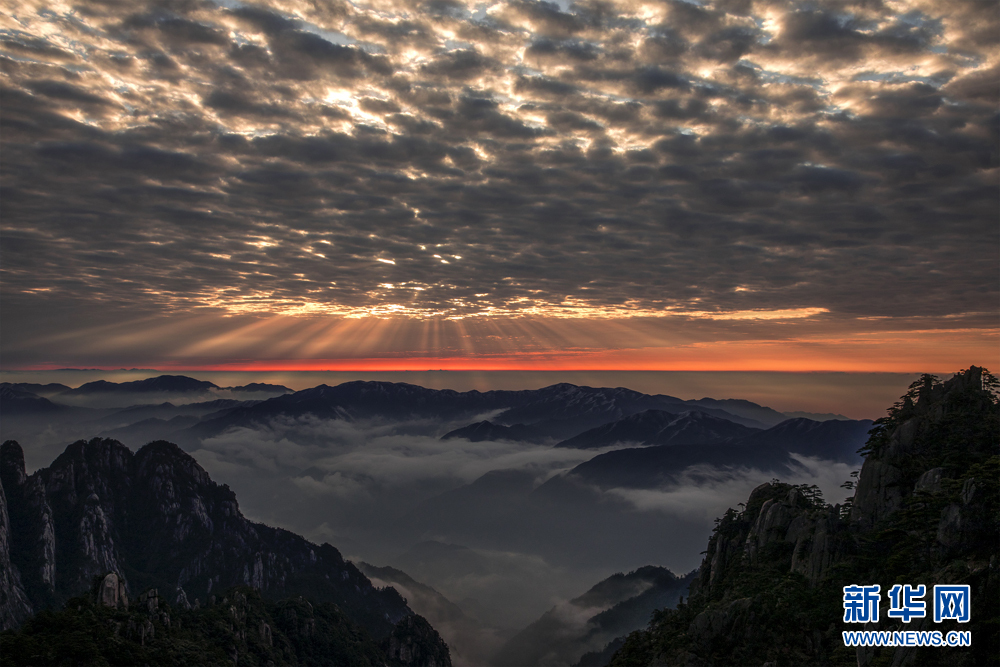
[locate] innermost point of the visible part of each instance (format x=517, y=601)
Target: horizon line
x=457, y=370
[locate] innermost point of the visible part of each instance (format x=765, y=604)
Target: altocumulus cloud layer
x=829, y=159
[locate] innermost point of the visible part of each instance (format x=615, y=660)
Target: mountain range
x=561, y=413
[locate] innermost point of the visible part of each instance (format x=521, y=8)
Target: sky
x=733, y=185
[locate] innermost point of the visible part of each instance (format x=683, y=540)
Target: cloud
x=344, y=458
x=366, y=485
x=705, y=492
x=621, y=158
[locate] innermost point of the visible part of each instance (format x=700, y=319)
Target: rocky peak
x=924, y=511
x=781, y=524
x=99, y=466
x=926, y=428
x=12, y=465
x=169, y=473
x=414, y=642
x=111, y=592
x=156, y=519
x=14, y=603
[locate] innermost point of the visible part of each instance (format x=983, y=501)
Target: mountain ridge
x=556, y=412
x=658, y=427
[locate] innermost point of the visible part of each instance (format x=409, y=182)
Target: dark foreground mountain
x=156, y=519
x=615, y=606
x=924, y=512
x=237, y=627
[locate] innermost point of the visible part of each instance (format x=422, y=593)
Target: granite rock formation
x=154, y=519
x=924, y=511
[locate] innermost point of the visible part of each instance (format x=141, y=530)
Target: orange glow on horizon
x=292, y=344
x=894, y=354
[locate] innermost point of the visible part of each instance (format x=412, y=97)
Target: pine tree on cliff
x=925, y=511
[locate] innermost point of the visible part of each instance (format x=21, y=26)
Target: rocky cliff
x=924, y=511
x=156, y=519
x=14, y=604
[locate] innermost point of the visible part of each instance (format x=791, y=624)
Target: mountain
x=554, y=413
x=352, y=401
x=559, y=411
x=924, y=512
x=487, y=431
x=569, y=409
x=742, y=408
x=614, y=607
x=656, y=427
x=156, y=519
x=49, y=424
x=443, y=608
x=469, y=640
x=19, y=401
x=772, y=449
x=139, y=424
x=261, y=387
x=815, y=416
x=837, y=440
x=168, y=410
x=45, y=390
x=148, y=430
x=174, y=384
x=615, y=496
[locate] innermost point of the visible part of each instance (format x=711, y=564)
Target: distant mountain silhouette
x=486, y=431
x=650, y=467
x=742, y=408
x=554, y=413
x=148, y=430
x=261, y=387
x=44, y=390
x=567, y=408
x=613, y=607
x=17, y=401
x=656, y=427
x=816, y=416
x=163, y=384
x=838, y=440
